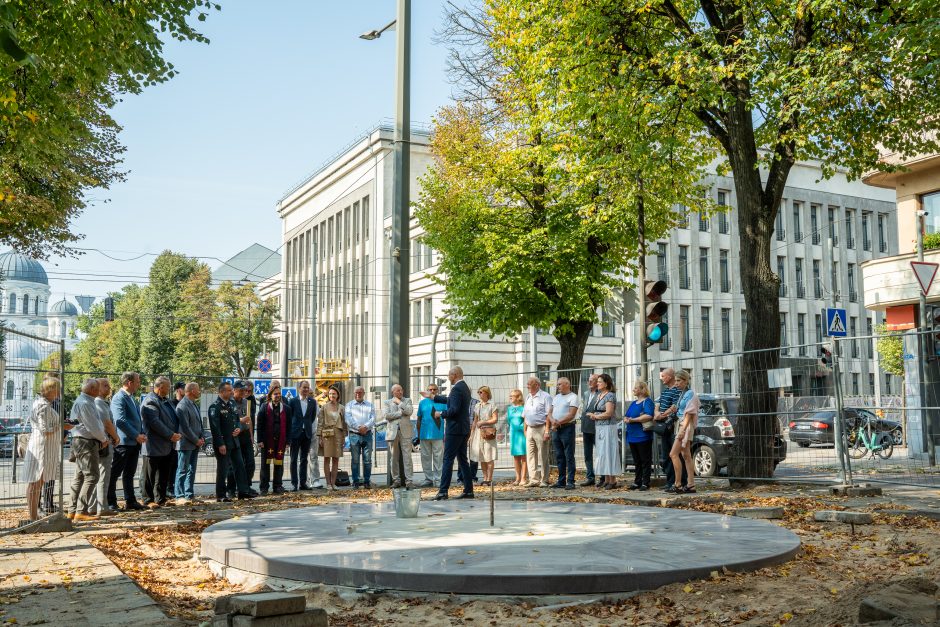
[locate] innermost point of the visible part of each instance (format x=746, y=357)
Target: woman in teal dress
x=517, y=435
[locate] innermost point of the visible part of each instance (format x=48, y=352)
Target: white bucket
x=406, y=502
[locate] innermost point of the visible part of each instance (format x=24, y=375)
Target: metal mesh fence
x=31, y=441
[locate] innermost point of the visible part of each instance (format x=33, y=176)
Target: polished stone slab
x=535, y=547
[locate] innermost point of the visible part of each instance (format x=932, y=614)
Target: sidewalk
x=60, y=579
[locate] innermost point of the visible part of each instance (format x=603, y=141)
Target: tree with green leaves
x=241, y=328
x=890, y=347
x=533, y=205
x=764, y=83
x=63, y=67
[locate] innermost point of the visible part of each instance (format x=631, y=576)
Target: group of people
x=110, y=434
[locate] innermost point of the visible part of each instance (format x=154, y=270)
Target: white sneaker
x=319, y=483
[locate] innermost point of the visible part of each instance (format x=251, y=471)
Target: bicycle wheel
x=857, y=449
x=887, y=446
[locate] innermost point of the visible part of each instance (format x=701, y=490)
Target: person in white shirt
x=99, y=498
x=537, y=413
x=88, y=436
x=565, y=405
x=360, y=418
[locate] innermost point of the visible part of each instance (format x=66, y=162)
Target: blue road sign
x=288, y=393
x=262, y=386
x=264, y=365
x=229, y=380
x=835, y=323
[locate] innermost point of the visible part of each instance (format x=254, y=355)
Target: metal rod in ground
x=492, y=504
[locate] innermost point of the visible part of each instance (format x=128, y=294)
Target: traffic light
x=825, y=359
x=933, y=338
x=656, y=308
x=108, y=309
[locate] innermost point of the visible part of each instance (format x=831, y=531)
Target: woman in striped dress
x=44, y=450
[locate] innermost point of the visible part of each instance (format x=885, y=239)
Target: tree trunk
x=752, y=453
x=572, y=350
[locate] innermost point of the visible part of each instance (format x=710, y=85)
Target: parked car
x=380, y=443
x=8, y=437
x=715, y=435
x=818, y=427
x=207, y=449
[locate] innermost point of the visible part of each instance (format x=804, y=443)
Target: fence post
x=62, y=422
x=845, y=468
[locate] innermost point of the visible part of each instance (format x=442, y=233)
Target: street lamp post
x=400, y=262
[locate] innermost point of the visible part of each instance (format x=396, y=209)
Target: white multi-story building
x=335, y=278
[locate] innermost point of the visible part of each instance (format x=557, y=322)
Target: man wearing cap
x=243, y=408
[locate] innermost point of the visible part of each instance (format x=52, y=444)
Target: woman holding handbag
x=331, y=431
x=688, y=409
x=483, y=434
x=639, y=421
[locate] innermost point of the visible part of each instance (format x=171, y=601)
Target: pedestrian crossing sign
x=288, y=393
x=835, y=323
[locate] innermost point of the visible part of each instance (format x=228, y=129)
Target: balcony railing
x=853, y=296
x=850, y=242
x=706, y=284
x=726, y=286
x=800, y=291
x=781, y=235
x=684, y=281
x=866, y=244
x=706, y=345
x=883, y=247
x=816, y=237
x=726, y=346
x=783, y=290
x=798, y=236
x=687, y=344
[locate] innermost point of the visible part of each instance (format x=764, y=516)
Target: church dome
x=17, y=267
x=20, y=351
x=63, y=308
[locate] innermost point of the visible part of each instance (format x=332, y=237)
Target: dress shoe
x=587, y=483
x=224, y=499
x=558, y=485
x=264, y=493
x=644, y=488
x=466, y=495
x=248, y=495
x=368, y=485
x=634, y=486
x=135, y=506
x=396, y=484
x=107, y=512
x=305, y=487
x=276, y=491
x=440, y=497
x=82, y=516
x=570, y=486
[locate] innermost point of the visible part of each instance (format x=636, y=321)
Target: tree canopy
x=63, y=66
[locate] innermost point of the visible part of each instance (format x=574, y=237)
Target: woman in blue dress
x=638, y=415
x=517, y=435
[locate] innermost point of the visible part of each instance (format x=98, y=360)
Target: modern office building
x=335, y=279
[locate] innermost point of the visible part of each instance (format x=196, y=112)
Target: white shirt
x=562, y=404
x=85, y=413
x=537, y=407
x=303, y=406
x=360, y=415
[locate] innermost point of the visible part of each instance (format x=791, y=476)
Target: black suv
x=715, y=431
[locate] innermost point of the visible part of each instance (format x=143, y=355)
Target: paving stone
x=766, y=513
x=932, y=514
x=222, y=620
x=855, y=490
x=223, y=604
x=913, y=602
x=268, y=604
x=311, y=618
x=106, y=533
x=847, y=517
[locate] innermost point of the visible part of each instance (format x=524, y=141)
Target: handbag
x=488, y=433
x=659, y=427
x=327, y=432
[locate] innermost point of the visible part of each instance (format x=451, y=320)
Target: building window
x=706, y=330
x=871, y=382
x=36, y=306
x=10, y=390
x=779, y=227
x=608, y=325
x=866, y=231
x=726, y=342
x=12, y=308
x=416, y=329
x=723, y=272
x=428, y=317
x=24, y=391
x=814, y=222
x=850, y=228
x=706, y=283
x=723, y=226
x=347, y=212
x=726, y=381
x=834, y=225
x=800, y=288
x=853, y=333
x=887, y=383
x=365, y=334
x=819, y=329
x=683, y=212
x=684, y=267
x=784, y=344
x=835, y=278
x=707, y=381
x=782, y=274
x=801, y=333
x=686, y=327
x=870, y=351
x=365, y=217
x=855, y=391
x=853, y=292
x=744, y=327
x=797, y=222
x=882, y=236
x=817, y=280
x=25, y=304
x=703, y=222
x=365, y=277
x=661, y=268
x=931, y=204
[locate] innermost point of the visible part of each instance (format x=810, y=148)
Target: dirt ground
x=823, y=585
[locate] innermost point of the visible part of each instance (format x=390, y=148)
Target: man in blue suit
x=130, y=430
x=456, y=432
x=303, y=408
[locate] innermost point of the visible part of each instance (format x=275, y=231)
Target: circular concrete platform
x=535, y=547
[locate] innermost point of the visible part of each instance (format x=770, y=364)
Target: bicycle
x=863, y=439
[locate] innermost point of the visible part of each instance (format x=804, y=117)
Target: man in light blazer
x=303, y=409
x=188, y=447
x=398, y=434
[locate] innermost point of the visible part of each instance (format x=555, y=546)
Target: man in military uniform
x=243, y=401
x=225, y=428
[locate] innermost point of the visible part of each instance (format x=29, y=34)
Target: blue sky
x=282, y=86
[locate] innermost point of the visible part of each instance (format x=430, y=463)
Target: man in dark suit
x=456, y=432
x=303, y=409
x=161, y=428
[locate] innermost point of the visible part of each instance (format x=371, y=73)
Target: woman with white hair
x=44, y=450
